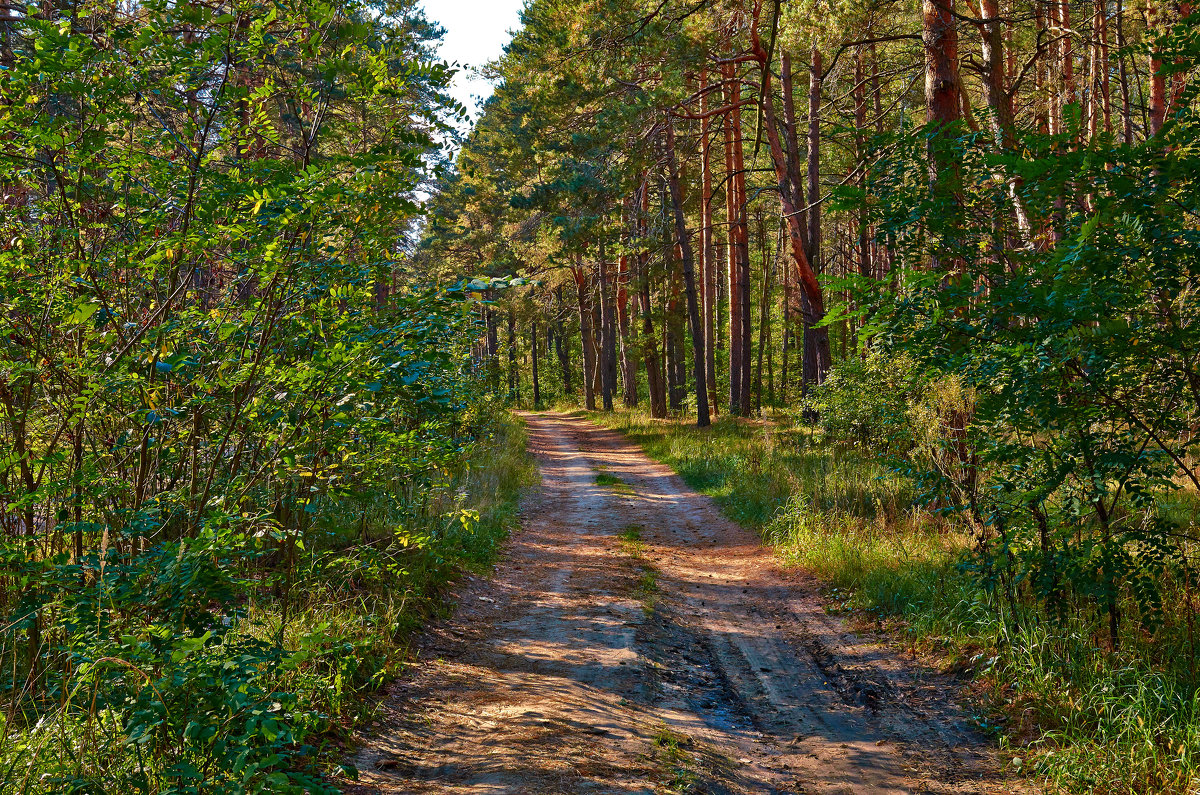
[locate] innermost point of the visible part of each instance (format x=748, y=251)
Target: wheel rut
x=633, y=640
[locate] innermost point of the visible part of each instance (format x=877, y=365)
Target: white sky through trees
x=476, y=32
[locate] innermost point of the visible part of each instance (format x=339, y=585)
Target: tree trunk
x=608, y=337
x=586, y=334
x=598, y=345
x=689, y=282
x=1099, y=101
x=708, y=268
x=860, y=146
x=792, y=138
x=817, y=359
x=1158, y=81
x=733, y=213
x=654, y=380
x=764, y=311
x=743, y=256
x=1123, y=77
x=629, y=391
x=514, y=374
x=492, y=350
x=562, y=348
x=787, y=335
x=995, y=93
x=1041, y=90
x=533, y=347
x=813, y=217
x=676, y=356
x=1067, y=66
x=940, y=36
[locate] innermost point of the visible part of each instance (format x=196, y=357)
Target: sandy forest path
x=633, y=640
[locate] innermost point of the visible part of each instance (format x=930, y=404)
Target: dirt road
x=633, y=640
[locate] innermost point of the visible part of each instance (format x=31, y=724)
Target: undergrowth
x=262, y=697
x=1071, y=713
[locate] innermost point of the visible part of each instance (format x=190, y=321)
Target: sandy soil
x=687, y=661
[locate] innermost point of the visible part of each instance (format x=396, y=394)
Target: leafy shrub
x=865, y=401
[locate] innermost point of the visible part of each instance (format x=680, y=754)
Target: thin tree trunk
x=743, y=255
x=708, y=267
x=676, y=356
x=492, y=350
x=608, y=337
x=586, y=335
x=628, y=363
x=514, y=375
x=816, y=357
x=1068, y=54
x=689, y=282
x=813, y=248
x=1101, y=89
x=1041, y=90
x=995, y=91
x=562, y=347
x=1123, y=76
x=654, y=380
x=813, y=305
x=597, y=374
x=787, y=335
x=884, y=249
x=733, y=212
x=860, y=154
x=533, y=347
x=764, y=310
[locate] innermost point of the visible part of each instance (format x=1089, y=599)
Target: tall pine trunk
x=586, y=335
x=733, y=259
x=708, y=266
x=533, y=347
x=650, y=356
x=801, y=240
x=629, y=391
x=608, y=337
x=689, y=281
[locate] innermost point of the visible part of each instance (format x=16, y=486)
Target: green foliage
x=866, y=401
x=1063, y=350
x=231, y=428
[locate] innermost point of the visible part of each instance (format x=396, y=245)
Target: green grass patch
x=1074, y=715
x=646, y=589
x=605, y=479
x=678, y=766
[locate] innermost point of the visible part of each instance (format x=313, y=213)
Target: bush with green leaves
x=865, y=401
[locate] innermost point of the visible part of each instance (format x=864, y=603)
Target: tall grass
x=1073, y=715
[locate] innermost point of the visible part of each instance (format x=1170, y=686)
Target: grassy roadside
x=1073, y=715
x=358, y=607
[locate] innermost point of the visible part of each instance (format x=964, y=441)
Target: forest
x=910, y=289
x=953, y=243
